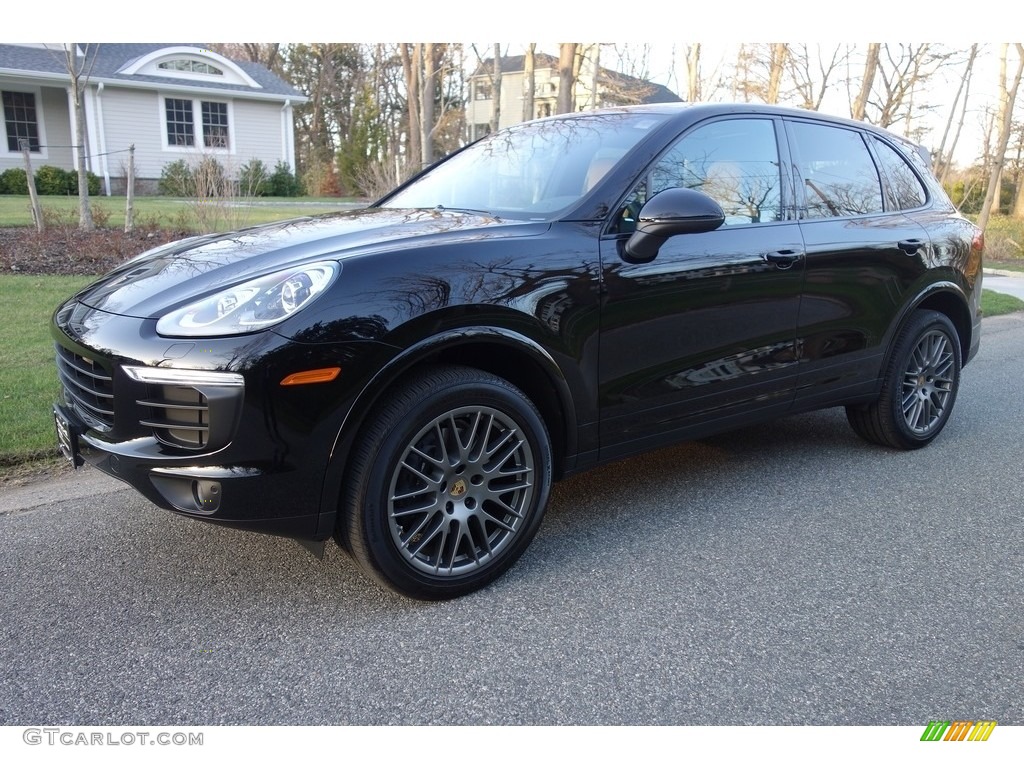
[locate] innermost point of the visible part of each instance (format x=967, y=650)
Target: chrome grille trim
x=180, y=416
x=88, y=389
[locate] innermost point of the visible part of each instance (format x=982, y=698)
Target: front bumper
x=206, y=429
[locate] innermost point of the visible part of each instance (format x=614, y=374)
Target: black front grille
x=180, y=416
x=88, y=389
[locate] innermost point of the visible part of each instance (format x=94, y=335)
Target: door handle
x=911, y=246
x=783, y=259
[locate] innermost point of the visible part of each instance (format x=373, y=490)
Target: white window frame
x=43, y=153
x=197, y=125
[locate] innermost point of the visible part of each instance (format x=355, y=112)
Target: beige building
x=593, y=89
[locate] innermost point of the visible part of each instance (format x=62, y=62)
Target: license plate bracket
x=67, y=438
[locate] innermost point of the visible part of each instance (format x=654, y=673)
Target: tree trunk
x=410, y=54
x=566, y=78
x=778, y=63
x=870, y=66
x=496, y=90
x=531, y=82
x=1008, y=96
x=78, y=86
x=693, y=72
x=428, y=89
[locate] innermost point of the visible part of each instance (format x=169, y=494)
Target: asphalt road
x=786, y=574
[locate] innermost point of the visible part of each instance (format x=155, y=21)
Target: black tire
x=919, y=387
x=447, y=484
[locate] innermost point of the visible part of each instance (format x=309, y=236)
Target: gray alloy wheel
x=461, y=492
x=447, y=484
x=919, y=387
x=928, y=382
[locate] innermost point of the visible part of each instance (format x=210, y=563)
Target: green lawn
x=166, y=212
x=28, y=379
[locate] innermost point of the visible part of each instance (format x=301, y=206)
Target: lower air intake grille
x=179, y=416
x=88, y=389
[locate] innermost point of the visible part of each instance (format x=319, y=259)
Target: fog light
x=206, y=494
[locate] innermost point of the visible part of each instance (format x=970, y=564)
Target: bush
x=253, y=179
x=175, y=179
x=14, y=181
x=51, y=180
x=282, y=182
x=94, y=183
x=210, y=180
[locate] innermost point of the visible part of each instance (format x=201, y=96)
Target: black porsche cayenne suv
x=412, y=377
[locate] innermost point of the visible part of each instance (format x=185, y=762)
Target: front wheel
x=919, y=388
x=448, y=483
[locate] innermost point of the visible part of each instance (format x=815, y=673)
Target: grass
x=166, y=212
x=28, y=378
x=993, y=303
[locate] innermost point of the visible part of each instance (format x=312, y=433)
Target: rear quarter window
x=904, y=190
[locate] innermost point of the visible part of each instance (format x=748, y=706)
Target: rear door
x=863, y=257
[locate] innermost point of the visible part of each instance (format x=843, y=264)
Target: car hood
x=154, y=282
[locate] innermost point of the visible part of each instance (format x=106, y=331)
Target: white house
x=170, y=101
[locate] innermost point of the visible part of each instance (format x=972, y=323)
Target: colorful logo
x=958, y=730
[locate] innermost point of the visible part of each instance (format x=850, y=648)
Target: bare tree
x=568, y=68
x=870, y=67
x=79, y=68
x=427, y=93
x=529, y=64
x=267, y=54
x=944, y=159
x=811, y=74
x=1007, y=99
x=411, y=56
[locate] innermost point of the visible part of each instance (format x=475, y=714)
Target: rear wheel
x=448, y=483
x=919, y=388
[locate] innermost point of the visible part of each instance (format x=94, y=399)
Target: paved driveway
x=785, y=574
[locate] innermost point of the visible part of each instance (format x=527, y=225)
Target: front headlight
x=253, y=305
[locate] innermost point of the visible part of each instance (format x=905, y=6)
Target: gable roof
x=644, y=91
x=107, y=62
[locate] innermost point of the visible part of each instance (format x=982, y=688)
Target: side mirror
x=675, y=211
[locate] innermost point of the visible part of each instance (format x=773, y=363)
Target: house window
x=211, y=130
x=180, y=126
x=21, y=120
x=215, y=124
x=484, y=91
x=190, y=65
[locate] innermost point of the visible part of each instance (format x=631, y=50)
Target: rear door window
x=838, y=176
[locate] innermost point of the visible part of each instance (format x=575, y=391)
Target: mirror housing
x=676, y=211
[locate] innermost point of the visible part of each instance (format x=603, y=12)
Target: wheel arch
x=514, y=357
x=947, y=298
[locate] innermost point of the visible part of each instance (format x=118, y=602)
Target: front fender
x=445, y=347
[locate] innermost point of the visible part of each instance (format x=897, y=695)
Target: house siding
x=258, y=133
x=136, y=117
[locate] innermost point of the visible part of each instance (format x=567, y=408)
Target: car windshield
x=531, y=170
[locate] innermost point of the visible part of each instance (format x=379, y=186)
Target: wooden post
x=129, y=223
x=37, y=214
